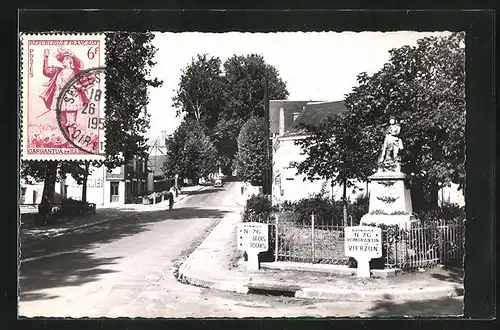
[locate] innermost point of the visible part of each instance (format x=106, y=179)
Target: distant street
x=126, y=268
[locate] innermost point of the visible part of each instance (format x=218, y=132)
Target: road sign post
x=363, y=243
x=253, y=238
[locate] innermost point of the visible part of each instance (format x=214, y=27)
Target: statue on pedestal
x=392, y=145
x=390, y=198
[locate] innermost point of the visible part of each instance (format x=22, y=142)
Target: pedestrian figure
x=44, y=210
x=170, y=200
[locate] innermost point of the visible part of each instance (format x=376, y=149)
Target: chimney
x=163, y=139
x=282, y=122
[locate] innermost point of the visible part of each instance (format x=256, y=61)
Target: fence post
x=312, y=235
x=440, y=232
x=276, y=238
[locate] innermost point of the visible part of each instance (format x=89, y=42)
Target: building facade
x=105, y=187
x=157, y=180
x=288, y=184
x=120, y=185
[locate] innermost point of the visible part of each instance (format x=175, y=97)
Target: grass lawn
x=296, y=245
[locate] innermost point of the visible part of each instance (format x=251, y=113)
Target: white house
x=284, y=116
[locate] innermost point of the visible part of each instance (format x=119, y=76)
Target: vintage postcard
x=308, y=174
x=62, y=96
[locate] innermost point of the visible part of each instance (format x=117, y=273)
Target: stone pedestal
x=390, y=200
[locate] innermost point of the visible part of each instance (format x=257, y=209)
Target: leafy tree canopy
x=190, y=152
x=251, y=159
x=200, y=91
x=222, y=99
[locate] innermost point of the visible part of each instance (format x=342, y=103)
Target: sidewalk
x=28, y=232
x=212, y=265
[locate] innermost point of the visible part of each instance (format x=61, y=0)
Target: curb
x=298, y=291
x=91, y=224
x=328, y=269
x=220, y=285
x=445, y=291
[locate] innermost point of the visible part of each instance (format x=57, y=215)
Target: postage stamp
x=62, y=96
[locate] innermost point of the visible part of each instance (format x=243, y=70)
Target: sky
x=315, y=65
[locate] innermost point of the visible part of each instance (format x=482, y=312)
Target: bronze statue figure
x=392, y=144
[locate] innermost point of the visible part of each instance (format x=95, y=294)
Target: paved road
x=126, y=268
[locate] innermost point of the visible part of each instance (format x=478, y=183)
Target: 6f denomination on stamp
x=63, y=96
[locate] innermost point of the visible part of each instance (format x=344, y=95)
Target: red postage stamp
x=63, y=96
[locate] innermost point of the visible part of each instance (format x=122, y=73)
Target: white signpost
x=363, y=243
x=253, y=238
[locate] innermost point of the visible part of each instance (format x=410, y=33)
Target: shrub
x=358, y=208
x=447, y=212
x=325, y=211
x=71, y=201
x=258, y=208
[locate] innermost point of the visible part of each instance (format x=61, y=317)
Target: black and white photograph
x=214, y=175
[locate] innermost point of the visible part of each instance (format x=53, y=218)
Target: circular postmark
x=80, y=111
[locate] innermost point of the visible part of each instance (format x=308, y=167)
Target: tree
x=424, y=87
x=200, y=91
x=223, y=100
x=251, y=159
x=225, y=137
x=80, y=172
x=335, y=153
x=245, y=78
x=129, y=58
x=128, y=67
x=35, y=171
x=190, y=152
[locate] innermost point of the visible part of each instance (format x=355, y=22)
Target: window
x=114, y=191
x=23, y=194
x=116, y=170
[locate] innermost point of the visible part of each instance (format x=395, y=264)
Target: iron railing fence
x=299, y=237
x=424, y=245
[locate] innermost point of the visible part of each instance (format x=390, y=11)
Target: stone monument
x=390, y=199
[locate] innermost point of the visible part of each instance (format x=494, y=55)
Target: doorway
x=114, y=192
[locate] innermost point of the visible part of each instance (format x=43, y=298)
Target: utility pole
x=268, y=170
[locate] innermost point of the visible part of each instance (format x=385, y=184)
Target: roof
x=315, y=113
x=155, y=163
x=308, y=112
x=289, y=107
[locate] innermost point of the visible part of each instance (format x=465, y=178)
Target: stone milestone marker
x=253, y=238
x=390, y=198
x=363, y=243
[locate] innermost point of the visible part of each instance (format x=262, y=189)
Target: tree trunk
x=344, y=202
x=84, y=183
x=49, y=191
x=418, y=197
x=433, y=194
x=49, y=185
